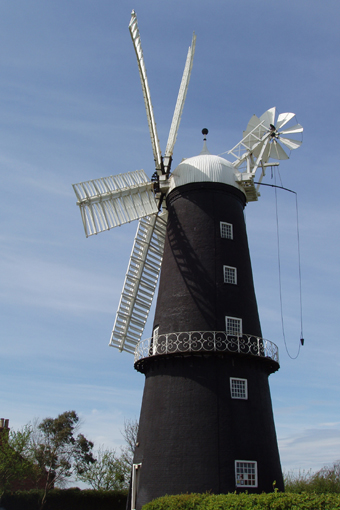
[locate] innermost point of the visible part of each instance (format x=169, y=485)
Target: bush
x=298, y=482
x=272, y=501
x=327, y=480
x=65, y=499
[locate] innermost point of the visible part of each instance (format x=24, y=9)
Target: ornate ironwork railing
x=205, y=341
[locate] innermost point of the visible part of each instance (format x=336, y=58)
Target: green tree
x=58, y=452
x=108, y=472
x=112, y=471
x=16, y=462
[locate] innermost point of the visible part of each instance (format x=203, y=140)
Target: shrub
x=65, y=499
x=327, y=480
x=272, y=501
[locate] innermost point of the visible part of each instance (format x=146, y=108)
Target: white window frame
x=230, y=270
x=239, y=321
x=242, y=395
x=241, y=479
x=228, y=230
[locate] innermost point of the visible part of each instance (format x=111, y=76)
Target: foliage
x=108, y=472
x=15, y=458
x=49, y=452
x=111, y=471
x=57, y=451
x=275, y=500
x=327, y=480
x=66, y=499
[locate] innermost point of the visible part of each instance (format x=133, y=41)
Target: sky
x=71, y=109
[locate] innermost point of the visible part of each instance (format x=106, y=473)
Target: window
x=226, y=230
x=155, y=341
x=230, y=274
x=238, y=388
x=245, y=473
x=233, y=326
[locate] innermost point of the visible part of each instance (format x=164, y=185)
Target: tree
x=57, y=451
x=129, y=433
x=111, y=471
x=108, y=472
x=16, y=461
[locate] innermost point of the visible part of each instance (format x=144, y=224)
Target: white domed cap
x=204, y=168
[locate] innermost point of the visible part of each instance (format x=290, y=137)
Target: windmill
x=206, y=420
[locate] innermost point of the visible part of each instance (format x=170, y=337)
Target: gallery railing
x=205, y=341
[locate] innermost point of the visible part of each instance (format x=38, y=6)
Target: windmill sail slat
x=111, y=183
x=112, y=201
x=90, y=224
x=126, y=316
x=144, y=294
x=140, y=303
x=137, y=205
x=147, y=282
x=104, y=220
x=130, y=211
x=83, y=218
x=111, y=213
x=100, y=217
x=140, y=283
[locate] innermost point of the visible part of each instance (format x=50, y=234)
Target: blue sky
x=71, y=109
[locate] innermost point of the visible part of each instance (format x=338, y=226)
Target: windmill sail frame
x=140, y=282
x=112, y=201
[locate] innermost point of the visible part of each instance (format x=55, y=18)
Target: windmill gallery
x=206, y=421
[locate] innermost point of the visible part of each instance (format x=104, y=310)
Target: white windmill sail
x=140, y=282
x=135, y=36
x=176, y=119
x=112, y=201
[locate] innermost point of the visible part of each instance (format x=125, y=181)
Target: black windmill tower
x=206, y=420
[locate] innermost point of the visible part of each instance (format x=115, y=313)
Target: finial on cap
x=205, y=132
x=205, y=149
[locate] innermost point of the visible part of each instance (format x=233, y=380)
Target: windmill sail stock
x=112, y=201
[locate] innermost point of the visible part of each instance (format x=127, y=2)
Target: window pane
x=233, y=326
x=229, y=274
x=226, y=230
x=238, y=388
x=246, y=473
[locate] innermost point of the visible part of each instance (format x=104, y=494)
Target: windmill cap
x=204, y=168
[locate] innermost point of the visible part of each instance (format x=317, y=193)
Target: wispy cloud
x=310, y=449
x=36, y=282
